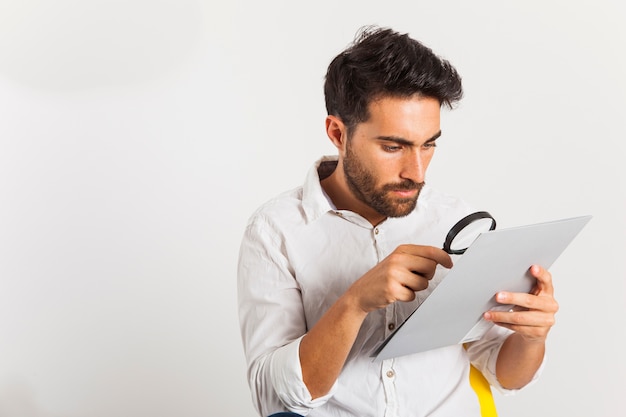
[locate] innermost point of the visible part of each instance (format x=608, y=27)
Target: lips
x=405, y=193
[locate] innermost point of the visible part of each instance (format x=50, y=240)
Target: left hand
x=534, y=313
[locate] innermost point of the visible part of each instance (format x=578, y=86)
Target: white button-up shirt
x=298, y=255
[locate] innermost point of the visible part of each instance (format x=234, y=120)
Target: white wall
x=136, y=137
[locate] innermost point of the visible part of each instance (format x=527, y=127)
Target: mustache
x=404, y=186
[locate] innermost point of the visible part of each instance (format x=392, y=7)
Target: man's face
x=386, y=157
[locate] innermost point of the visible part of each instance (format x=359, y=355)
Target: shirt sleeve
x=483, y=355
x=272, y=323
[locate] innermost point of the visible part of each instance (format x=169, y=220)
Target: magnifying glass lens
x=467, y=230
x=469, y=233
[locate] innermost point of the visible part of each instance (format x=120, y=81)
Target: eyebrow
x=402, y=141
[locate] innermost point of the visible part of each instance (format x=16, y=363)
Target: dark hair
x=382, y=62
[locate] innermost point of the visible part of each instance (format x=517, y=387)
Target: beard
x=362, y=183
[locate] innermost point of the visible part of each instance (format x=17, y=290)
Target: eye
x=391, y=148
x=429, y=145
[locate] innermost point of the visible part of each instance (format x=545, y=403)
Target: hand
x=534, y=313
x=396, y=278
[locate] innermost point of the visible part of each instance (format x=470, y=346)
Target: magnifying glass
x=466, y=230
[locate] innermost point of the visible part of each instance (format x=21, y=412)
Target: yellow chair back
x=483, y=391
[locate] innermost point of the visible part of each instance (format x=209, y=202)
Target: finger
x=417, y=259
x=544, y=303
x=405, y=293
x=423, y=267
x=417, y=284
x=531, y=333
x=438, y=255
x=407, y=271
x=544, y=280
x=520, y=319
x=415, y=281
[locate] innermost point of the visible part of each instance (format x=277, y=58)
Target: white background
x=137, y=136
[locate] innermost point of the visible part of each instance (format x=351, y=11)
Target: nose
x=414, y=167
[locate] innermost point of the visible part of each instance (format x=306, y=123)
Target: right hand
x=397, y=277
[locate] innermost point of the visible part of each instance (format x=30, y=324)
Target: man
x=329, y=269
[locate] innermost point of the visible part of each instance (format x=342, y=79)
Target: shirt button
x=391, y=326
x=376, y=231
x=390, y=374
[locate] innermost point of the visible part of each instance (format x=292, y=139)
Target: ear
x=337, y=132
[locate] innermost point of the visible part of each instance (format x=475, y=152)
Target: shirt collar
x=315, y=202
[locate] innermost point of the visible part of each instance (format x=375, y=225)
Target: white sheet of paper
x=498, y=260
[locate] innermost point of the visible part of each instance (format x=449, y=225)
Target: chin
x=402, y=209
